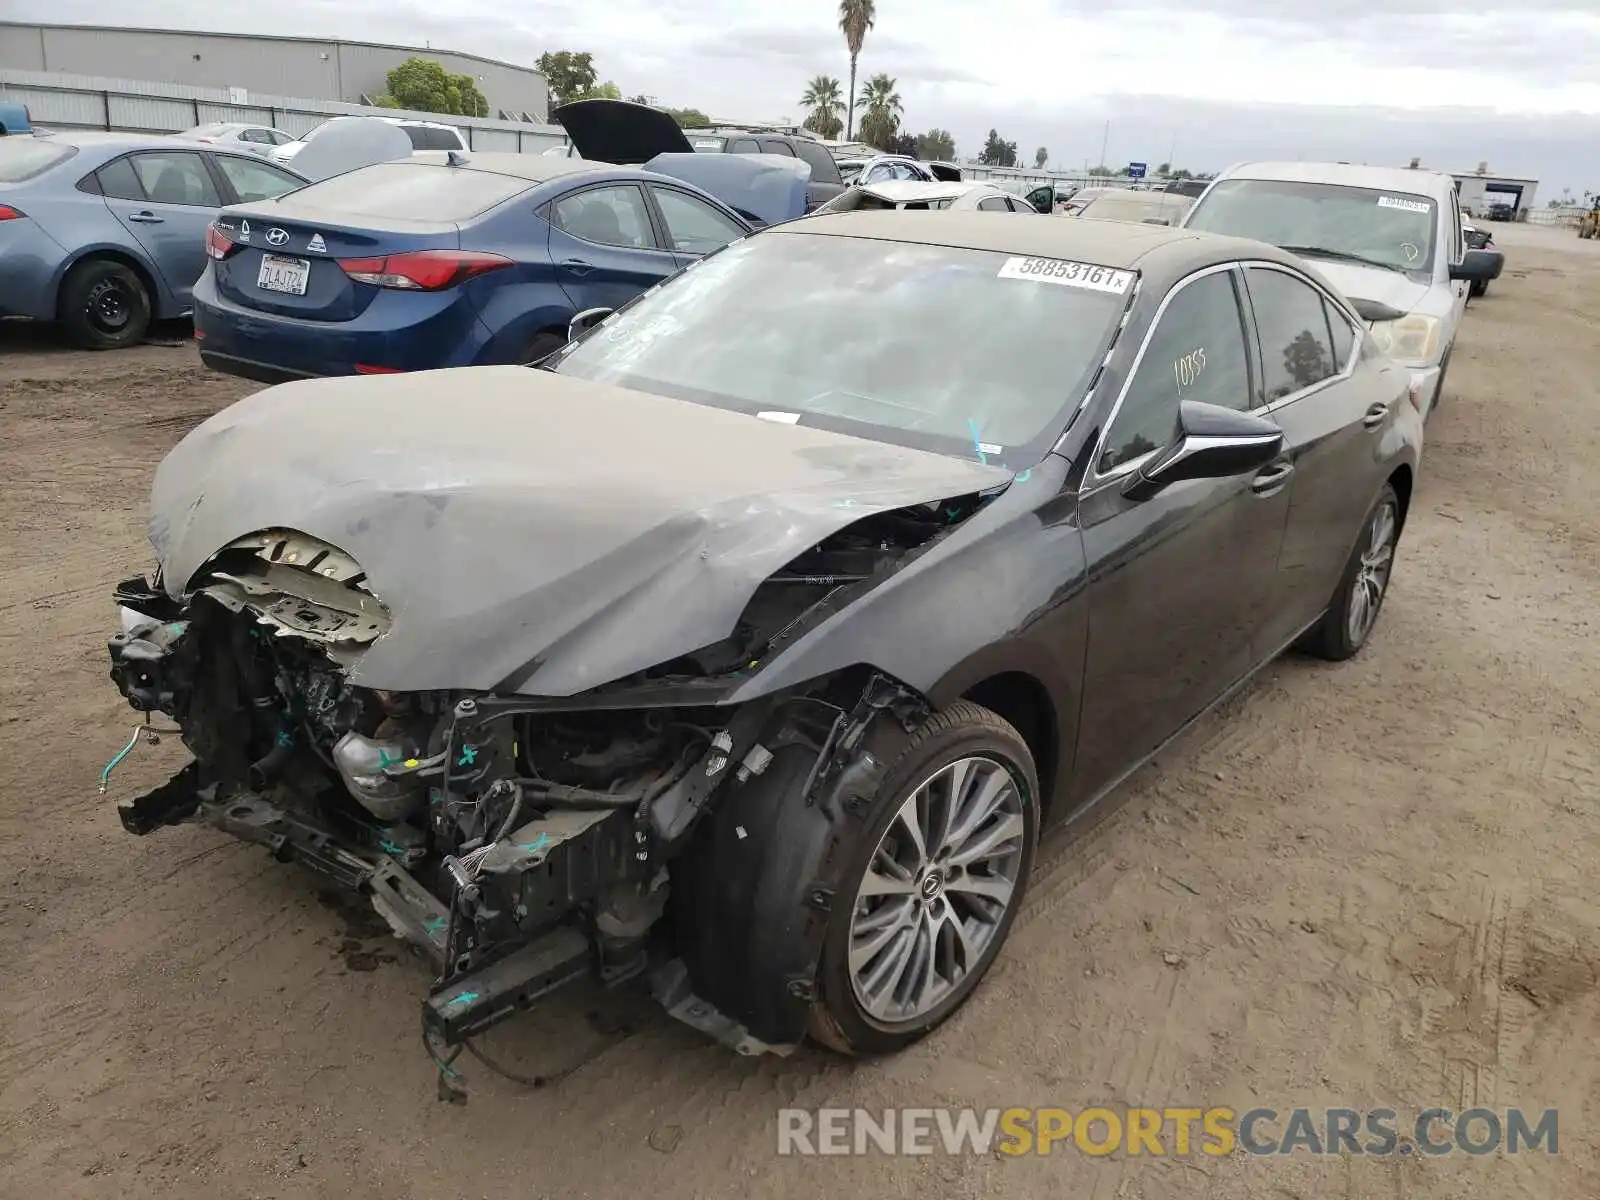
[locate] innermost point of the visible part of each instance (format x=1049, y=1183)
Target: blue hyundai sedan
x=441, y=261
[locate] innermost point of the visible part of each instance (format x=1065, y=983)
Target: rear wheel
x=935, y=876
x=104, y=305
x=1353, y=612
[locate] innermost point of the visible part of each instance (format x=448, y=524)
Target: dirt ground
x=1365, y=885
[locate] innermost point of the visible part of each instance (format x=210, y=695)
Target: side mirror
x=1479, y=266
x=1212, y=443
x=585, y=321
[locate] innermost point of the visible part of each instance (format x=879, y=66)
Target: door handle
x=576, y=266
x=1271, y=477
x=146, y=218
x=1376, y=415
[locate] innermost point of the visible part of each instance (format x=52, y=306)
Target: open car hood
x=764, y=188
x=619, y=131
x=526, y=531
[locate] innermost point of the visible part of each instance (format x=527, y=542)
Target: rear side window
x=417, y=190
x=24, y=157
x=1296, y=351
x=774, y=146
x=993, y=204
x=118, y=181
x=743, y=146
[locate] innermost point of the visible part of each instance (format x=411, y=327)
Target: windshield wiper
x=1341, y=256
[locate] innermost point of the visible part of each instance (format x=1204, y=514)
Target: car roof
x=1161, y=250
x=1384, y=179
x=94, y=140
x=536, y=168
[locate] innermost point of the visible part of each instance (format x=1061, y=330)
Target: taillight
x=7, y=213
x=218, y=244
x=422, y=270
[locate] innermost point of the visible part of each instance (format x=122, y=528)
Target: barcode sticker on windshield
x=1068, y=274
x=1420, y=206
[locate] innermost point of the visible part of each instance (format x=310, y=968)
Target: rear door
x=1335, y=403
x=825, y=180
x=693, y=228
x=604, y=245
x=165, y=199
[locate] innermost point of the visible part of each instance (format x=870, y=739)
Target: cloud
x=1456, y=80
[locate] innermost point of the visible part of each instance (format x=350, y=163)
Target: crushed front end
x=519, y=842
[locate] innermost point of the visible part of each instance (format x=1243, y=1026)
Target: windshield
x=1390, y=229
x=963, y=352
x=24, y=157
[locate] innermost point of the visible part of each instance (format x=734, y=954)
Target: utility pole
x=1103, y=141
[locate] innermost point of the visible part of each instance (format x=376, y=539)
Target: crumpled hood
x=526, y=530
x=1370, y=283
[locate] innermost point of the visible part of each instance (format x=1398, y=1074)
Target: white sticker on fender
x=1068, y=274
x=1420, y=206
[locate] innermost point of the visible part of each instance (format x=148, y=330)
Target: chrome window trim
x=1360, y=330
x=1105, y=361
x=1094, y=480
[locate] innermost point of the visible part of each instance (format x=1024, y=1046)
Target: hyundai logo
x=277, y=237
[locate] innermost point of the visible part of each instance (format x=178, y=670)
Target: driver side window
x=1196, y=352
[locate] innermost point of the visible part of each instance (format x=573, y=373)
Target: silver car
x=239, y=135
x=1390, y=238
x=968, y=196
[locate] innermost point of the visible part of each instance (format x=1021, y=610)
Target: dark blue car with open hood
x=443, y=260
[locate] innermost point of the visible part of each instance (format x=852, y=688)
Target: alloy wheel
x=1372, y=572
x=937, y=889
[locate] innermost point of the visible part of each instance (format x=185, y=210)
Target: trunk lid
x=281, y=245
x=619, y=131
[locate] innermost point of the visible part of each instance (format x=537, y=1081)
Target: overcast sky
x=1513, y=82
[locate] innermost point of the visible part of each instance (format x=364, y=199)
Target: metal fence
x=60, y=101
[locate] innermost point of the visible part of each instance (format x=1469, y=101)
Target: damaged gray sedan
x=747, y=644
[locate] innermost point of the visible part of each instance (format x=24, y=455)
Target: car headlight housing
x=1414, y=338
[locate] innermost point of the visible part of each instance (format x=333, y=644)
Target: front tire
x=935, y=878
x=1353, y=612
x=104, y=305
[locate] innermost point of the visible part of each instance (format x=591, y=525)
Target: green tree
x=1164, y=169
x=936, y=146
x=689, y=118
x=880, y=111
x=1040, y=157
x=569, y=74
x=1101, y=172
x=824, y=100
x=902, y=143
x=601, y=91
x=422, y=85
x=997, y=152
x=855, y=18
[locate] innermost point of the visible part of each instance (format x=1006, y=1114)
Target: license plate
x=280, y=274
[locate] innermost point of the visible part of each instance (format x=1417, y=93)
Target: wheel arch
x=159, y=301
x=1403, y=479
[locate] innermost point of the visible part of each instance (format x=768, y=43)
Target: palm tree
x=855, y=18
x=823, y=98
x=881, y=110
